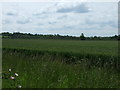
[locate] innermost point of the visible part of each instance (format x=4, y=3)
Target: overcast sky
x=64, y=18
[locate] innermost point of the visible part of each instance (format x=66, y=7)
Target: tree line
x=18, y=35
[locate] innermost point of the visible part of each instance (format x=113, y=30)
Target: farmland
x=62, y=63
x=91, y=47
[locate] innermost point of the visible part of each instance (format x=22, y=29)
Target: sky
x=64, y=18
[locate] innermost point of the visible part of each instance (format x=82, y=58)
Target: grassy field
x=72, y=46
x=61, y=63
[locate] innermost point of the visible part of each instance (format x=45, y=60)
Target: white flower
x=19, y=86
x=9, y=70
x=12, y=77
x=16, y=74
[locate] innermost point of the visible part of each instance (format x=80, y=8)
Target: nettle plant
x=12, y=78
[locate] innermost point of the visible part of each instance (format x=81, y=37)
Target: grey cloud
x=7, y=21
x=37, y=14
x=11, y=14
x=52, y=22
x=40, y=15
x=113, y=24
x=68, y=27
x=39, y=24
x=90, y=28
x=62, y=17
x=81, y=8
x=23, y=21
x=102, y=24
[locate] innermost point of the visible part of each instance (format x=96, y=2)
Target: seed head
x=9, y=70
x=16, y=75
x=19, y=86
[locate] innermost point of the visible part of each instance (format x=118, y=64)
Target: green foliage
x=44, y=72
x=12, y=78
x=82, y=37
x=18, y=35
x=62, y=63
x=91, y=60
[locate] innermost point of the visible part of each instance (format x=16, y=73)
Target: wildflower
x=12, y=77
x=9, y=70
x=19, y=86
x=16, y=74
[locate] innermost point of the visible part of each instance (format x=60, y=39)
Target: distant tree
x=99, y=38
x=118, y=37
x=17, y=35
x=95, y=36
x=115, y=37
x=82, y=37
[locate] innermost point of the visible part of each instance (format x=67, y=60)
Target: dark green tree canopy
x=17, y=35
x=82, y=37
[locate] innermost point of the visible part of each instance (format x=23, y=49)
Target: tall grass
x=45, y=70
x=62, y=63
x=90, y=60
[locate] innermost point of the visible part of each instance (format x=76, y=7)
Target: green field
x=87, y=47
x=61, y=63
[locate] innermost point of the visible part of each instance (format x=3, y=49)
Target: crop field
x=60, y=63
x=72, y=46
